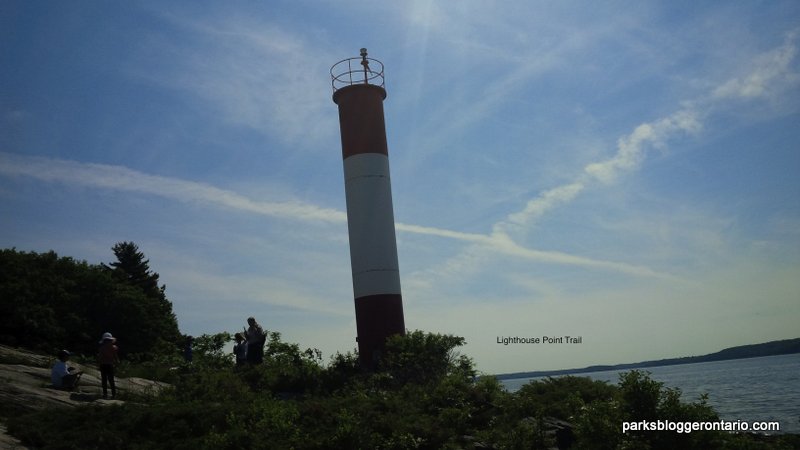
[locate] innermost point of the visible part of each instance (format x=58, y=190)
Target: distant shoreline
x=772, y=348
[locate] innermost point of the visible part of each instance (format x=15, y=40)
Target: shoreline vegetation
x=423, y=394
x=771, y=348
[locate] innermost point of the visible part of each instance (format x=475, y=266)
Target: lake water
x=753, y=389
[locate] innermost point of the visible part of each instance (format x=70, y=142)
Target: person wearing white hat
x=107, y=357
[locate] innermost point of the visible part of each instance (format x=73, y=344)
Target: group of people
x=65, y=376
x=249, y=347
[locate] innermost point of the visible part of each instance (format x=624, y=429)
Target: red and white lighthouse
x=358, y=90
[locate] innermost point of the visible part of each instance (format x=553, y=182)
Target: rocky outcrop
x=26, y=383
x=8, y=442
x=25, y=386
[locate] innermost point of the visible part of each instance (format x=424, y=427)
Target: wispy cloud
x=464, y=40
x=540, y=205
x=432, y=231
x=631, y=148
x=500, y=242
x=254, y=73
x=124, y=179
x=772, y=74
x=249, y=290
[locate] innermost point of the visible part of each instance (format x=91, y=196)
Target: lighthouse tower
x=358, y=90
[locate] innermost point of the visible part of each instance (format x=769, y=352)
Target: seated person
x=62, y=375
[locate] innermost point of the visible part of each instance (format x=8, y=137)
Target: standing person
x=187, y=349
x=240, y=349
x=106, y=358
x=255, y=341
x=63, y=375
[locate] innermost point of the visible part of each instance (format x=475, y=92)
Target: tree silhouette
x=49, y=302
x=132, y=267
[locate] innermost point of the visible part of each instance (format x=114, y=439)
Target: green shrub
x=640, y=398
x=292, y=401
x=419, y=357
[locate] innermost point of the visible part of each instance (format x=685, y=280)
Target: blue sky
x=625, y=172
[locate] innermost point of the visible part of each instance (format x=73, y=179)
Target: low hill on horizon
x=771, y=348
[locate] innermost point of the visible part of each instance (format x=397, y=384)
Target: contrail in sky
x=771, y=76
x=124, y=179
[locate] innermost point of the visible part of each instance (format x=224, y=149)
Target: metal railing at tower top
x=361, y=70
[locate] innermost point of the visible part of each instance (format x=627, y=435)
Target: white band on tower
x=373, y=252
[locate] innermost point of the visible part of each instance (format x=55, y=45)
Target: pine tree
x=132, y=266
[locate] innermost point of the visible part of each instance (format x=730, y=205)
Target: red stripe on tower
x=359, y=94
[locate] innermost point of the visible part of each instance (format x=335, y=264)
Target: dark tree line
x=49, y=302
